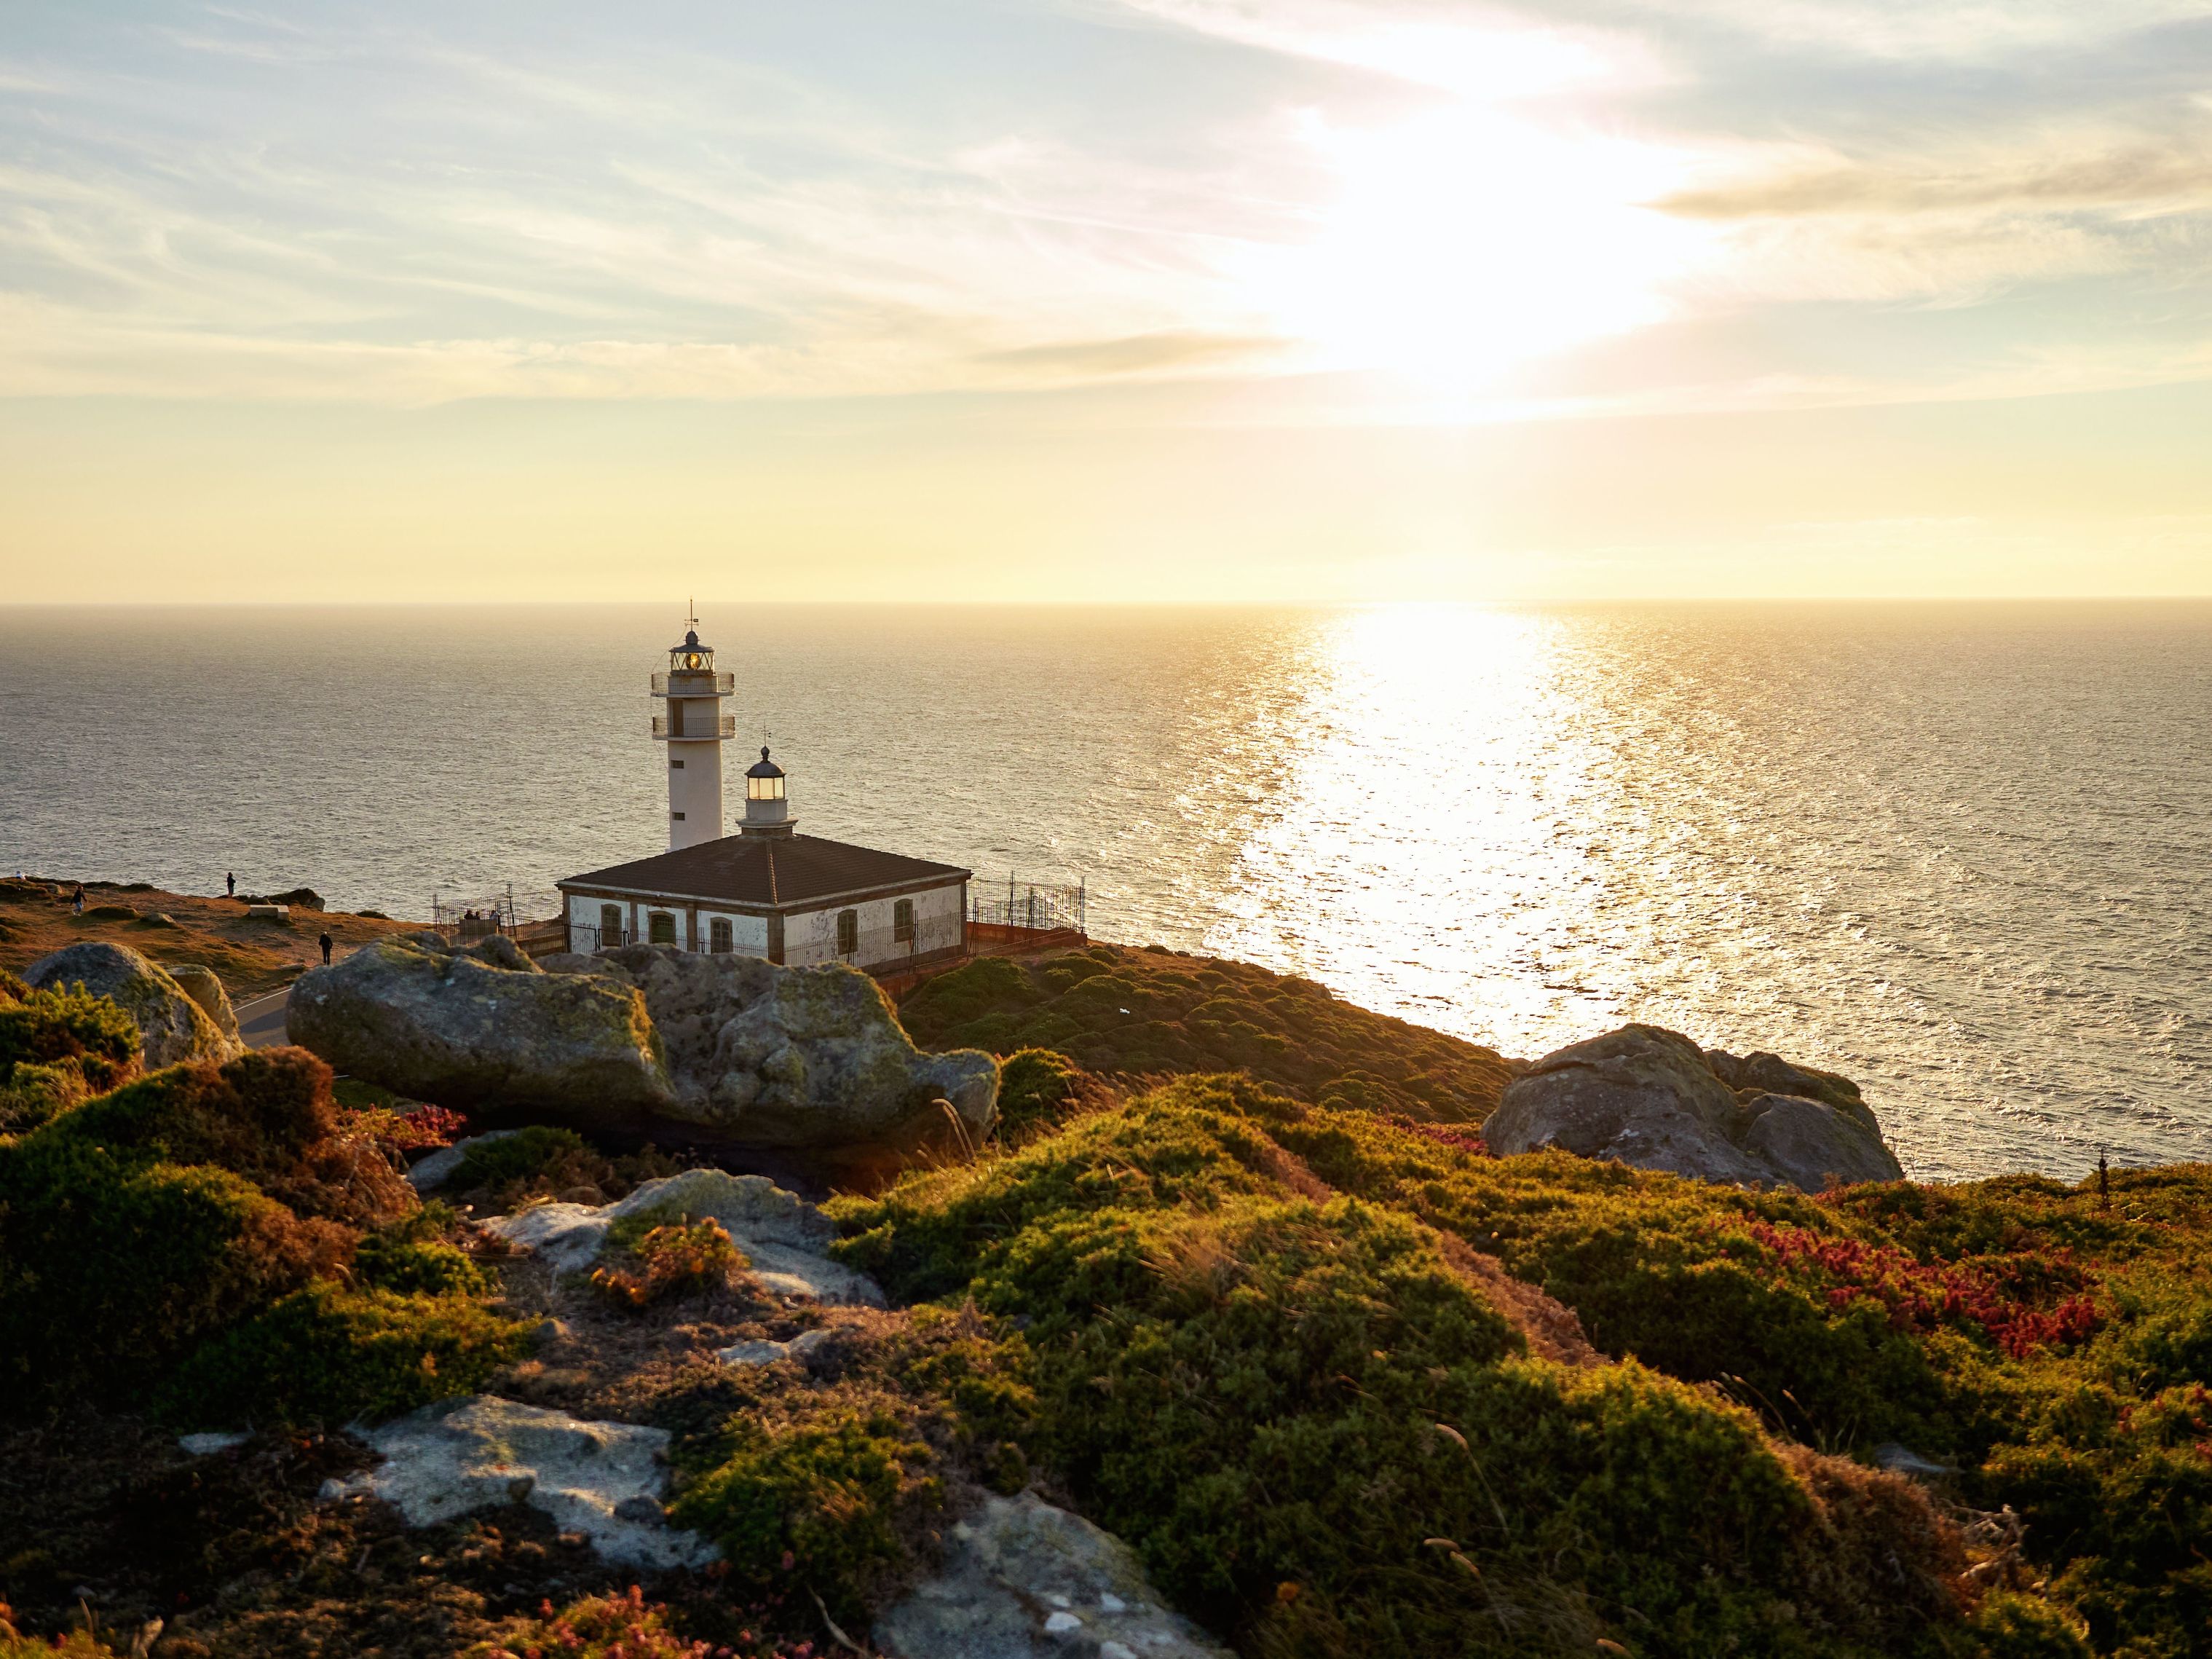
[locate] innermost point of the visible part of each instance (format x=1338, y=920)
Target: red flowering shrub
x=396, y=1131
x=620, y=1626
x=1458, y=1137
x=2021, y=1302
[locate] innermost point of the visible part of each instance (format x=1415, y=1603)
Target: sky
x=1104, y=300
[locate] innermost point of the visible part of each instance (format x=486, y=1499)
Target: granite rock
x=172, y=1027
x=605, y=1480
x=1652, y=1099
x=1022, y=1580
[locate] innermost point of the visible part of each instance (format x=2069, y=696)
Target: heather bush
x=413, y=1258
x=1260, y=1384
x=329, y=1356
x=58, y=1047
x=1036, y=1089
x=669, y=1260
x=839, y=1481
x=524, y=1156
x=111, y=1266
x=622, y=1626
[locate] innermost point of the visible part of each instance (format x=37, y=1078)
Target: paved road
x=261, y=1021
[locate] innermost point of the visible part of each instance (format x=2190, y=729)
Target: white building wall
x=810, y=937
x=748, y=934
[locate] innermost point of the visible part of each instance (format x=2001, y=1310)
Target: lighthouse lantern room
x=695, y=728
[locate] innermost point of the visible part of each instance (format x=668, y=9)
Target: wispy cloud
x=405, y=204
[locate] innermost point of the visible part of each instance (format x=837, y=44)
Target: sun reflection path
x=1433, y=801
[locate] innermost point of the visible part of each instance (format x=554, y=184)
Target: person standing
x=230, y=883
x=79, y=900
x=325, y=941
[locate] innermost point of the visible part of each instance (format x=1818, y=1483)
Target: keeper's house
x=768, y=891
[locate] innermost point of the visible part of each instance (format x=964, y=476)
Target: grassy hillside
x=249, y=956
x=1131, y=1013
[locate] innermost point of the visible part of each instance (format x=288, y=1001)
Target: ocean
x=1963, y=854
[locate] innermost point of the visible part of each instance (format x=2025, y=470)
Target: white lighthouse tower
x=695, y=728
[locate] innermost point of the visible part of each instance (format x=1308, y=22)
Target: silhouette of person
x=230, y=883
x=325, y=941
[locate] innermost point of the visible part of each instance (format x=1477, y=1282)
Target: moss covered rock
x=173, y=1028
x=454, y=1028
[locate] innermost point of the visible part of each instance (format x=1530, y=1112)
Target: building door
x=719, y=941
x=610, y=926
x=848, y=933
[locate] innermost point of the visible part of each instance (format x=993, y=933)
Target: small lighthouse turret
x=694, y=729
x=768, y=808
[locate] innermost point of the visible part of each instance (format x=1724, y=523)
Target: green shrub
x=268, y=1116
x=57, y=1046
x=112, y=1267
x=329, y=1356
x=141, y=1224
x=34, y=1096
x=412, y=1258
x=1260, y=1385
x=842, y=1480
x=538, y=1156
x=1136, y=1014
x=1035, y=1088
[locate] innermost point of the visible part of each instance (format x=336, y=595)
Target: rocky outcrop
x=1653, y=1099
x=780, y=1235
x=602, y=1479
x=1022, y=1580
x=172, y=1026
x=201, y=985
x=796, y=1056
x=744, y=1050
x=455, y=1028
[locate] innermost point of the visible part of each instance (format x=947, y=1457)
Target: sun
x=1471, y=237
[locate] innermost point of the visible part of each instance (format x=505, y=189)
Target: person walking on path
x=79, y=900
x=325, y=941
x=230, y=883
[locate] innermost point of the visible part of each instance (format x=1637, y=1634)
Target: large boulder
x=1022, y=1580
x=743, y=1051
x=1653, y=1099
x=434, y=1023
x=801, y=1057
x=172, y=1026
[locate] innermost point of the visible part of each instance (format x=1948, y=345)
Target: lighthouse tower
x=694, y=729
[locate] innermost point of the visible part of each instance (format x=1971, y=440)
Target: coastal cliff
x=1241, y=1319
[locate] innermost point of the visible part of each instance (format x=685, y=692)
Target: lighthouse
x=695, y=728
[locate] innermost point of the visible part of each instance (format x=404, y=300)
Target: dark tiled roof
x=775, y=870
